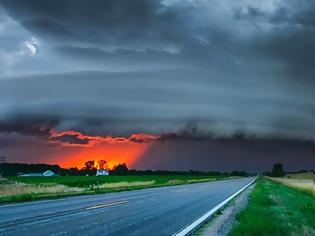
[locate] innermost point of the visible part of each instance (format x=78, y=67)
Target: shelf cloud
x=196, y=69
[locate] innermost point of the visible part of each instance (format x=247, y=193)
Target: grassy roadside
x=17, y=189
x=275, y=209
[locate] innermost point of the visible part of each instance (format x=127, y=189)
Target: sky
x=158, y=84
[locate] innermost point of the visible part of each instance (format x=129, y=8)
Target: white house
x=30, y=175
x=102, y=172
x=47, y=173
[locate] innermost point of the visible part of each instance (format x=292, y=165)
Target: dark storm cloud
x=71, y=139
x=27, y=127
x=290, y=39
x=123, y=56
x=129, y=32
x=168, y=101
x=107, y=23
x=200, y=32
x=255, y=155
x=223, y=66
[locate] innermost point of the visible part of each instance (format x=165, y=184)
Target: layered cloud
x=119, y=67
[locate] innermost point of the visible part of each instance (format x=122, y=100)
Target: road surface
x=146, y=212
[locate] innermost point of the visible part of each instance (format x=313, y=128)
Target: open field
x=303, y=175
x=14, y=189
x=86, y=181
x=275, y=209
x=306, y=184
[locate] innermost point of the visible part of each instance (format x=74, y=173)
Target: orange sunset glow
x=114, y=150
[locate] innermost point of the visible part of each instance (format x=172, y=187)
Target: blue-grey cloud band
x=158, y=66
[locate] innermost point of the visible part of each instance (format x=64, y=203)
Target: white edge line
x=195, y=224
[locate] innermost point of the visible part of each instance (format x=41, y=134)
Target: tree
x=102, y=164
x=90, y=165
x=277, y=170
x=120, y=169
x=73, y=171
x=89, y=168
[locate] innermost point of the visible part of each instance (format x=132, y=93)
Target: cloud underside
x=100, y=106
x=207, y=68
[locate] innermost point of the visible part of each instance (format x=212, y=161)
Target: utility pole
x=2, y=160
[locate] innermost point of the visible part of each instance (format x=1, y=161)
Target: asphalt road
x=147, y=212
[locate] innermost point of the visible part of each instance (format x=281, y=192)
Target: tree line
x=90, y=168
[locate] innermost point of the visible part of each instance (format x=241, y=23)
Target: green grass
x=86, y=181
x=96, y=184
x=274, y=209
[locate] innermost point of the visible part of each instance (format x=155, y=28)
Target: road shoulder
x=224, y=220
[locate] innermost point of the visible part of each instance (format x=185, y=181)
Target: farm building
x=47, y=173
x=102, y=172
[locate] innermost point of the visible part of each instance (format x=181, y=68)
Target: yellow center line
x=106, y=205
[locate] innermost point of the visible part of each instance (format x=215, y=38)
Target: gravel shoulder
x=224, y=220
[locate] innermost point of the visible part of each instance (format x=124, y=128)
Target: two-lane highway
x=154, y=211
